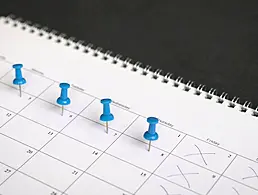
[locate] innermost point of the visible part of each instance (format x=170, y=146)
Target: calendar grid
x=32, y=71
x=221, y=175
x=104, y=152
x=115, y=129
x=84, y=171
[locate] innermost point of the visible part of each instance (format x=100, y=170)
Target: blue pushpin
x=63, y=99
x=19, y=80
x=106, y=116
x=151, y=134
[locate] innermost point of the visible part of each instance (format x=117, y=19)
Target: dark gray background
x=214, y=43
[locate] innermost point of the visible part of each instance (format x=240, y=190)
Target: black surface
x=214, y=43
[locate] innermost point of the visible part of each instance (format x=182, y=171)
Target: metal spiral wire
x=117, y=59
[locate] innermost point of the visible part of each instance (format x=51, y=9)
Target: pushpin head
x=151, y=134
x=19, y=80
x=64, y=99
x=64, y=85
x=106, y=116
x=17, y=66
x=106, y=101
x=152, y=120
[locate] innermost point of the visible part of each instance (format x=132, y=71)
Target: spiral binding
x=188, y=86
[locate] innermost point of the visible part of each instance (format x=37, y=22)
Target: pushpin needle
x=106, y=126
x=149, y=145
x=62, y=111
x=20, y=90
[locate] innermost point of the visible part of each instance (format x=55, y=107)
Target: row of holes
x=155, y=76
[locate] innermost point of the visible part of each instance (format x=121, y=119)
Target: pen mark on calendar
x=235, y=191
x=253, y=176
x=167, y=191
x=164, y=189
x=183, y=175
x=201, y=154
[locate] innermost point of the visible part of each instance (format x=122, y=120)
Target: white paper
x=203, y=148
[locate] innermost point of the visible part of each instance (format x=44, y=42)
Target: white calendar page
x=204, y=147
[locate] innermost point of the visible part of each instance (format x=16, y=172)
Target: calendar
x=207, y=143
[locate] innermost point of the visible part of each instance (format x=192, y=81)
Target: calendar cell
x=11, y=100
x=244, y=171
x=88, y=184
x=90, y=133
x=51, y=171
x=135, y=152
x=5, y=172
x=31, y=133
x=168, y=138
x=35, y=84
x=13, y=153
x=118, y=173
x=79, y=100
x=158, y=186
x=204, y=154
x=71, y=151
x=5, y=115
x=47, y=114
x=122, y=118
x=24, y=185
x=230, y=187
x=187, y=175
